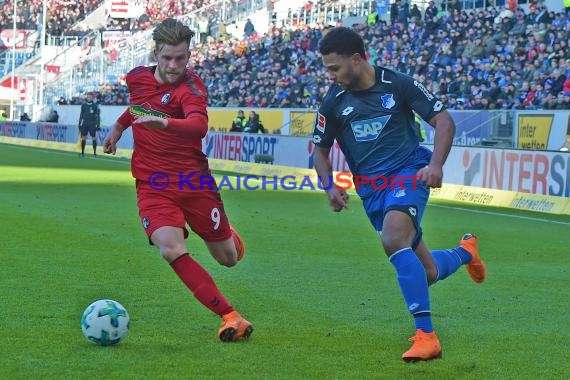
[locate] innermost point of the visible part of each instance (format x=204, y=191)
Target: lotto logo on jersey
x=424, y=90
x=369, y=130
x=321, y=122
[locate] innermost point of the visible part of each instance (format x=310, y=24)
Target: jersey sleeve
x=326, y=125
x=133, y=77
x=195, y=97
x=126, y=118
x=418, y=97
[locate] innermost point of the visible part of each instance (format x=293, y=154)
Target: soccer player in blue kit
x=369, y=111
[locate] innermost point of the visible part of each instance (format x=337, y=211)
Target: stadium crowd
x=62, y=15
x=473, y=59
x=157, y=10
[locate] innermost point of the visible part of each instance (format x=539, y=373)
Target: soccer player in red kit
x=169, y=119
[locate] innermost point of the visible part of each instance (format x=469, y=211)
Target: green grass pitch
x=316, y=285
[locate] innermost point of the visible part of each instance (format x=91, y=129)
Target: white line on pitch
x=352, y=192
x=501, y=214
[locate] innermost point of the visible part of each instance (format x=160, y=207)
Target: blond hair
x=171, y=32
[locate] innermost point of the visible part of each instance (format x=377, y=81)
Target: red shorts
x=203, y=210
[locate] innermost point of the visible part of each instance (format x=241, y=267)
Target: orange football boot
x=234, y=327
x=476, y=267
x=426, y=347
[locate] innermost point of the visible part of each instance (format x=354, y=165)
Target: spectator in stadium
x=519, y=28
x=54, y=117
x=373, y=17
x=25, y=117
x=562, y=101
x=415, y=13
x=169, y=102
x=431, y=11
x=248, y=28
x=3, y=115
x=386, y=101
x=454, y=6
x=394, y=11
x=254, y=124
x=239, y=122
x=89, y=119
x=403, y=12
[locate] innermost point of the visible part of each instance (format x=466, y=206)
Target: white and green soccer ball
x=105, y=322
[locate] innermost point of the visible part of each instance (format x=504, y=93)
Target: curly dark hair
x=342, y=41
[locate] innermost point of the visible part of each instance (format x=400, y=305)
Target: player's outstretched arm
x=110, y=143
x=152, y=122
x=338, y=198
x=123, y=122
x=432, y=175
x=195, y=125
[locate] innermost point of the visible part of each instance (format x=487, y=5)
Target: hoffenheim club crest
x=388, y=101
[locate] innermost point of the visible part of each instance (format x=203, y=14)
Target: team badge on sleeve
x=321, y=122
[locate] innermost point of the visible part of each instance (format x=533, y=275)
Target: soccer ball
x=105, y=322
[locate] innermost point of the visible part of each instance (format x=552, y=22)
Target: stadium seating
x=485, y=58
x=476, y=59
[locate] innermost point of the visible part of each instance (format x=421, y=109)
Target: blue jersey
x=375, y=128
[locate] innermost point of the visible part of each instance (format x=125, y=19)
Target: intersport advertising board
x=537, y=172
x=525, y=171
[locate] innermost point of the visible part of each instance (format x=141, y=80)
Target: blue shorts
x=404, y=192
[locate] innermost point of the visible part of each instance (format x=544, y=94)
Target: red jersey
x=175, y=149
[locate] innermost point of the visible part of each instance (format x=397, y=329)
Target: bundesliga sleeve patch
x=321, y=122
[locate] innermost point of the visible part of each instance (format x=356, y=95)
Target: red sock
x=201, y=284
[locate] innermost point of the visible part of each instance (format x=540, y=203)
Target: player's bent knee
x=431, y=275
x=224, y=252
x=170, y=256
x=227, y=258
x=171, y=252
x=392, y=244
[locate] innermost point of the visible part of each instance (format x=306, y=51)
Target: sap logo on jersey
x=368, y=130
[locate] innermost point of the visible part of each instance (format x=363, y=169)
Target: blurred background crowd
x=491, y=58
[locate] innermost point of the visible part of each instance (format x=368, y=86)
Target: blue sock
x=465, y=256
x=449, y=260
x=414, y=286
x=423, y=322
